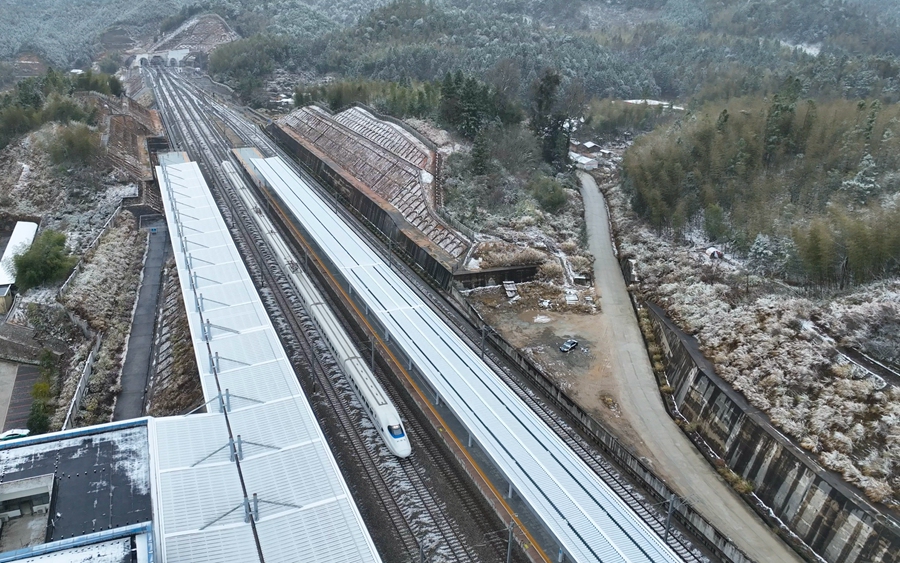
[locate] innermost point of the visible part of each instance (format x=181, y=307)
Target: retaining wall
x=815, y=510
x=496, y=276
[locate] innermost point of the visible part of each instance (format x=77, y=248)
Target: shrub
x=41, y=391
x=75, y=144
x=549, y=193
x=38, y=420
x=550, y=271
x=110, y=63
x=62, y=110
x=47, y=260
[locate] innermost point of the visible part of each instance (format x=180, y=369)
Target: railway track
x=402, y=489
x=416, y=473
x=646, y=510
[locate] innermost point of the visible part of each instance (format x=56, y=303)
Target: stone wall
x=813, y=509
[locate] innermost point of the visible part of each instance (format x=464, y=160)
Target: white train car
x=371, y=395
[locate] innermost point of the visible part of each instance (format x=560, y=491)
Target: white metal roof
x=584, y=514
x=20, y=240
x=306, y=512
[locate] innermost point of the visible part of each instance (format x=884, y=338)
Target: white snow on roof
x=580, y=159
x=116, y=551
x=20, y=240
x=306, y=512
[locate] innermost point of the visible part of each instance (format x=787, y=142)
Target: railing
x=80, y=541
x=86, y=373
x=103, y=230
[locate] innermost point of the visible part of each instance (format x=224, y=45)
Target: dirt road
x=668, y=450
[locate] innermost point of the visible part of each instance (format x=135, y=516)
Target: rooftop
x=305, y=510
x=20, y=240
x=101, y=479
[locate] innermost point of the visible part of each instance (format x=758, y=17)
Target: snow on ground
x=75, y=201
x=810, y=49
x=103, y=293
x=752, y=330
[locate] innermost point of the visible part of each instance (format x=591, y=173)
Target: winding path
x=671, y=454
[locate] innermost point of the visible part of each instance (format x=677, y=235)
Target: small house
x=583, y=162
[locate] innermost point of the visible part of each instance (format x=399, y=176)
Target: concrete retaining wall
x=815, y=509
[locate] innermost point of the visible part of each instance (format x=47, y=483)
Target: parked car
x=568, y=345
x=14, y=433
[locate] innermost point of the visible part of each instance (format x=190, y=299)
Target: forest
x=809, y=189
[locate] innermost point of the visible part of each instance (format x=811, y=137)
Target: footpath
x=136, y=369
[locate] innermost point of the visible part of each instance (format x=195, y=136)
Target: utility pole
x=509, y=543
x=672, y=501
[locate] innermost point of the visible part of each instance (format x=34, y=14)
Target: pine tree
x=481, y=154
x=472, y=114
x=548, y=122
x=449, y=109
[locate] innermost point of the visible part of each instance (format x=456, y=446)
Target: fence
x=106, y=226
x=701, y=528
x=82, y=384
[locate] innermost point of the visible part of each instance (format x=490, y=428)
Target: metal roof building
x=77, y=496
x=590, y=522
x=254, y=478
x=20, y=240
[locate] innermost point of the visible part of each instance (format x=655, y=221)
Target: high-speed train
x=371, y=395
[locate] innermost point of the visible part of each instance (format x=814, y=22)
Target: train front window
x=396, y=431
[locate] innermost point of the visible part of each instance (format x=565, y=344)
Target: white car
x=568, y=345
x=14, y=433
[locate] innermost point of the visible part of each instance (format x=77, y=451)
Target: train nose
x=402, y=448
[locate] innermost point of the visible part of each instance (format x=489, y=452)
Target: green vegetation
x=172, y=22
x=467, y=105
x=411, y=100
x=74, y=144
x=810, y=178
x=48, y=260
x=549, y=120
x=245, y=63
x=43, y=394
x=548, y=193
x=38, y=418
x=7, y=75
x=110, y=63
x=610, y=119
x=42, y=99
